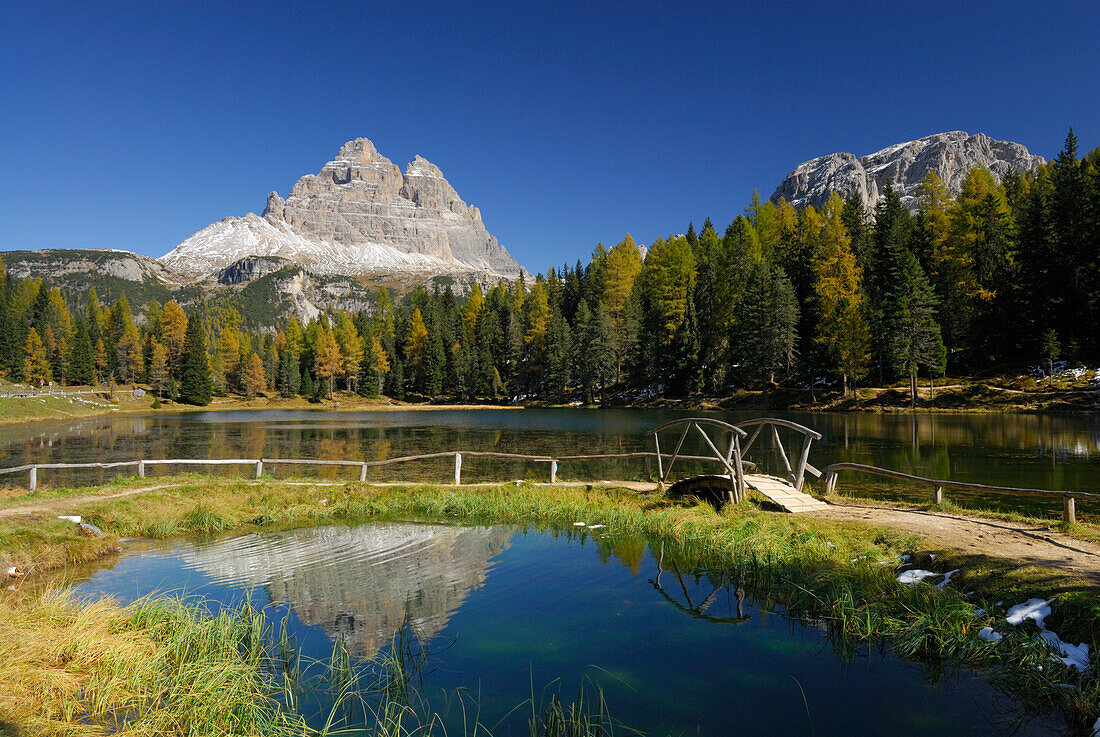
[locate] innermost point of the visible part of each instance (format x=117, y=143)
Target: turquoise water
x=508, y=614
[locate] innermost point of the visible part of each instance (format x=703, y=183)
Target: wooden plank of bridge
x=783, y=493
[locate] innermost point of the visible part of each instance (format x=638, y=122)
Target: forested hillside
x=1001, y=277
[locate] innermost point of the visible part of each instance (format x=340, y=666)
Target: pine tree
x=306, y=383
x=81, y=358
x=559, y=359
x=768, y=328
x=195, y=381
x=435, y=365
x=893, y=227
x=289, y=377
x=916, y=342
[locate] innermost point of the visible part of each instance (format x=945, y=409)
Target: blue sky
x=134, y=125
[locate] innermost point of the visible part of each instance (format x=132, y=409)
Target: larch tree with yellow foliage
x=842, y=328
x=253, y=378
x=36, y=366
x=329, y=361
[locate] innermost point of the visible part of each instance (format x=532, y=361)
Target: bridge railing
x=1069, y=503
x=796, y=473
x=731, y=458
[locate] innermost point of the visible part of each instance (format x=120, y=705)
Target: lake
x=509, y=614
x=1028, y=450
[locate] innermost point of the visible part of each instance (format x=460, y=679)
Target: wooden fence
x=32, y=469
x=1069, y=504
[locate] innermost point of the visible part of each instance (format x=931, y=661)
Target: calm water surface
x=1042, y=451
x=504, y=611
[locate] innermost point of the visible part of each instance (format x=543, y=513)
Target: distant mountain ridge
x=951, y=155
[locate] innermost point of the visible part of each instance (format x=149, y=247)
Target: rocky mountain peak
x=358, y=215
x=951, y=155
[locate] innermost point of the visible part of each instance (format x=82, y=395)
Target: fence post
x=259, y=468
x=141, y=469
x=553, y=471
x=363, y=472
x=32, y=483
x=830, y=482
x=458, y=468
x=937, y=494
x=1069, y=510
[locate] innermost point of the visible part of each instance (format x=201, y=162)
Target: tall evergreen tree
x=81, y=359
x=916, y=342
x=196, y=385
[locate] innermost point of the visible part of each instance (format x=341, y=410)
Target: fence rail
x=1069, y=504
x=32, y=469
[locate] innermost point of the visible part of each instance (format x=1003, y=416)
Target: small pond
x=504, y=613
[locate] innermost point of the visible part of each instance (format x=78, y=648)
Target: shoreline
x=823, y=569
x=953, y=399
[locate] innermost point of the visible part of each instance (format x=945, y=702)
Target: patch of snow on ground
x=946, y=578
x=915, y=576
x=1035, y=609
x=987, y=634
x=1076, y=656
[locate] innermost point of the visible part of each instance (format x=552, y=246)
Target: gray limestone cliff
x=359, y=215
x=951, y=155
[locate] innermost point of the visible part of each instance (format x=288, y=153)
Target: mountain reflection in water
x=360, y=583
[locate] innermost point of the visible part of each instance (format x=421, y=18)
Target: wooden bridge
x=741, y=473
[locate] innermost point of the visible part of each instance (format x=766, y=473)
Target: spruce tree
x=81, y=358
x=559, y=359
x=289, y=378
x=916, y=342
x=306, y=384
x=196, y=385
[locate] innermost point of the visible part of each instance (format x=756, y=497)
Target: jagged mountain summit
x=951, y=155
x=360, y=215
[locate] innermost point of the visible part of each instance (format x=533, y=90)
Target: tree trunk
x=913, y=390
x=845, y=380
x=931, y=388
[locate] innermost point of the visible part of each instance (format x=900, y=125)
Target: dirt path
x=1028, y=543
x=58, y=504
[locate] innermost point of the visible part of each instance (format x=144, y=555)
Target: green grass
x=790, y=563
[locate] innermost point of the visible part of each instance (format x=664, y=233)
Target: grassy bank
x=99, y=401
x=822, y=570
